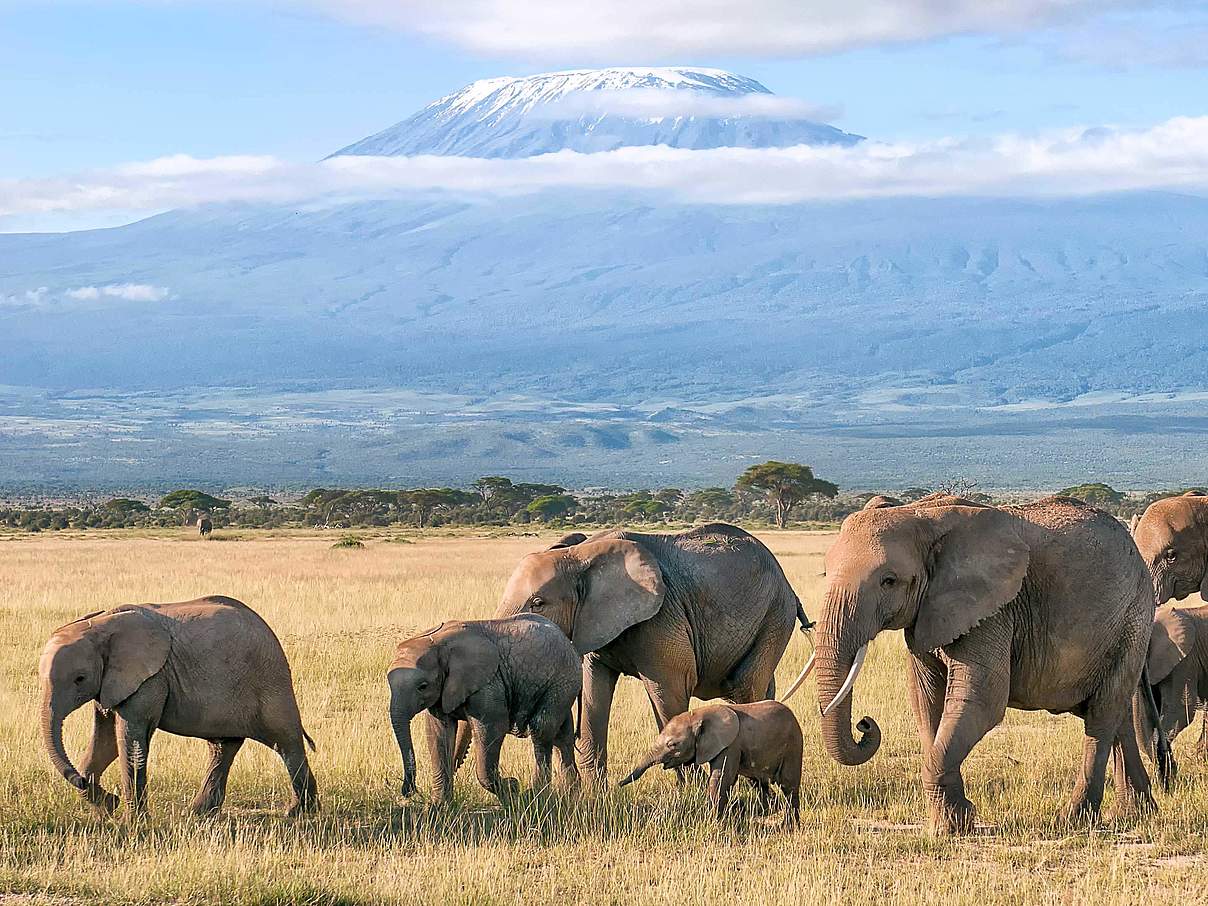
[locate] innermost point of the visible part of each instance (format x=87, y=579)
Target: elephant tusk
x=850, y=681
x=809, y=668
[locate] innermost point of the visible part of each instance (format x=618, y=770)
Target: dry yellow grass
x=339, y=612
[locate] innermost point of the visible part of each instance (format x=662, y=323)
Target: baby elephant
x=761, y=741
x=1178, y=669
x=518, y=675
x=210, y=668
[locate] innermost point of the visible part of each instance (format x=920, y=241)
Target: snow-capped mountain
x=601, y=109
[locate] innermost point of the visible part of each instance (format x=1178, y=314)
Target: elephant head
x=694, y=737
x=439, y=670
x=1172, y=536
x=105, y=657
x=935, y=571
x=593, y=589
x=881, y=501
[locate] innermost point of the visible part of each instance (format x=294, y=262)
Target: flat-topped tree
x=192, y=499
x=784, y=484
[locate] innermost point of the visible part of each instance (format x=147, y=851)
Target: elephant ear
x=470, y=660
x=135, y=647
x=978, y=565
x=623, y=585
x=716, y=730
x=1172, y=640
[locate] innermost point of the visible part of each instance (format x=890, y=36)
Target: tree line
x=770, y=493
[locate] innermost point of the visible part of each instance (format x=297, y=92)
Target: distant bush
x=349, y=542
x=1095, y=493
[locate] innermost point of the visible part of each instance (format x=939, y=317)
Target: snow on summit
x=590, y=110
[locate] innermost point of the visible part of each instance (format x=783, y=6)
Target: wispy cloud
x=44, y=297
x=653, y=103
x=1170, y=155
x=608, y=29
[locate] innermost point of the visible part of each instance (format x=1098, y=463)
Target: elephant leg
x=599, y=683
x=789, y=781
x=1105, y=717
x=441, y=734
x=979, y=684
x=461, y=746
x=488, y=743
x=1133, y=792
x=926, y=682
x=543, y=756
x=723, y=771
x=306, y=794
x=212, y=794
x=565, y=744
x=134, y=748
x=102, y=752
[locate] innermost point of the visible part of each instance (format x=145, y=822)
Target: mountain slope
x=599, y=110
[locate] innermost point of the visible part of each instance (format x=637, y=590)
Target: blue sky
x=88, y=85
x=95, y=84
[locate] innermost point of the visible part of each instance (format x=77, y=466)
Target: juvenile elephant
x=705, y=613
x=1038, y=607
x=761, y=741
x=518, y=675
x=209, y=668
x=1172, y=536
x=1178, y=669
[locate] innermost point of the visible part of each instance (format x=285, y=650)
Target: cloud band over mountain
x=1170, y=155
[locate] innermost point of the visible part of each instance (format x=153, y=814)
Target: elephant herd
x=1046, y=606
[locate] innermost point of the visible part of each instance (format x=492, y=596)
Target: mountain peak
x=590, y=110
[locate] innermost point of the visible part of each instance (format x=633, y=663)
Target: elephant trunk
x=52, y=738
x=840, y=654
x=649, y=760
x=400, y=720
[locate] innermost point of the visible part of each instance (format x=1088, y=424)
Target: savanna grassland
x=339, y=612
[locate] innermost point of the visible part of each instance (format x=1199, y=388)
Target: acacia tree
x=784, y=484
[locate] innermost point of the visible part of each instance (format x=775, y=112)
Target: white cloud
x=1170, y=155
x=43, y=297
x=130, y=292
x=608, y=29
x=654, y=103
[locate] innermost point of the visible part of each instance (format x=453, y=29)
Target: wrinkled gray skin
x=518, y=675
x=1039, y=607
x=1172, y=536
x=705, y=613
x=880, y=501
x=761, y=741
x=209, y=668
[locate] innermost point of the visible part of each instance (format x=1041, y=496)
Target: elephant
x=880, y=501
x=204, y=526
x=761, y=741
x=209, y=668
x=706, y=613
x=1172, y=536
x=519, y=675
x=1045, y=606
x=1178, y=669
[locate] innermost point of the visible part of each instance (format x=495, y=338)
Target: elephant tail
x=1163, y=760
x=806, y=623
x=310, y=742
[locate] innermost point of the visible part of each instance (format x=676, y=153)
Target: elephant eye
x=889, y=581
x=537, y=602
x=421, y=685
x=79, y=679
x=1171, y=555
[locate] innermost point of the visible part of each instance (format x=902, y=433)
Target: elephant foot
x=1132, y=805
x=952, y=817
x=102, y=802
x=1082, y=813
x=205, y=808
x=507, y=790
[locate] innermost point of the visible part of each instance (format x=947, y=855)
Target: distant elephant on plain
x=705, y=613
x=209, y=668
x=519, y=675
x=1039, y=607
x=204, y=526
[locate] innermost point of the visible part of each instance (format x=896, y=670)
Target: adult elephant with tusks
x=1046, y=606
x=705, y=613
